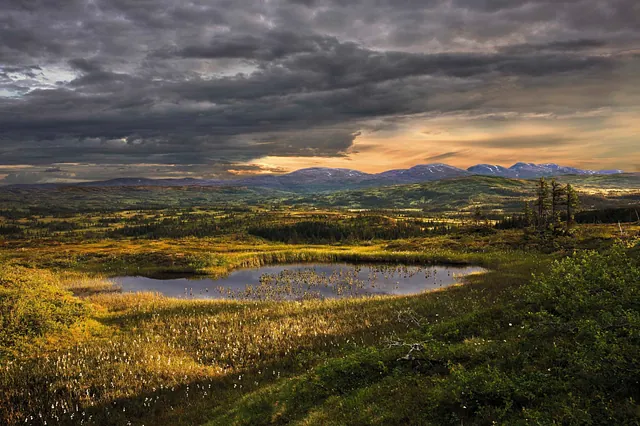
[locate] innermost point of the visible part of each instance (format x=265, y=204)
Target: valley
x=115, y=308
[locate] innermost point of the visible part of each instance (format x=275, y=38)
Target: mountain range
x=322, y=178
x=531, y=170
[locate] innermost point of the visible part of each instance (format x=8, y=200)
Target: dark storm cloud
x=269, y=46
x=221, y=82
x=532, y=141
x=319, y=143
x=53, y=170
x=443, y=156
x=568, y=46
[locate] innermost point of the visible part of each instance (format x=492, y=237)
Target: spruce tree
x=572, y=204
x=557, y=198
x=528, y=215
x=543, y=203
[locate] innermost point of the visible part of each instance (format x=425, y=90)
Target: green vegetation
x=32, y=304
x=495, y=194
x=559, y=350
x=132, y=344
x=630, y=214
x=554, y=204
x=355, y=228
x=457, y=194
x=492, y=194
x=549, y=335
x=73, y=199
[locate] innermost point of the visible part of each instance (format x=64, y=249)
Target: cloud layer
x=212, y=86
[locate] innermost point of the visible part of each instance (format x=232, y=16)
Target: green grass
x=32, y=304
x=125, y=346
x=80, y=199
x=440, y=196
x=507, y=347
x=561, y=349
x=622, y=181
x=486, y=192
x=448, y=195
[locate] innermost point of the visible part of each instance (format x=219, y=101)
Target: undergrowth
x=559, y=346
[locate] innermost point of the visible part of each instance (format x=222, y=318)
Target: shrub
x=31, y=304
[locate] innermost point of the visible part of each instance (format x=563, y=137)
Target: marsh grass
x=133, y=355
x=355, y=280
x=560, y=349
x=84, y=285
x=112, y=358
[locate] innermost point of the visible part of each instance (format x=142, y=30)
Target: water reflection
x=304, y=281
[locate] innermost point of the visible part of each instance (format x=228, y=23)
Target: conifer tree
x=543, y=203
x=557, y=198
x=528, y=215
x=572, y=204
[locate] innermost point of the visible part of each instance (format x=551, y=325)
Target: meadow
x=440, y=197
x=549, y=335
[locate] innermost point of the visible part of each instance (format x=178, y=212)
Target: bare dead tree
x=414, y=347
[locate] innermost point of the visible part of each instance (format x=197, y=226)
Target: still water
x=304, y=281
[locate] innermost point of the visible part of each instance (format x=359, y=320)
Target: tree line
x=554, y=209
x=359, y=228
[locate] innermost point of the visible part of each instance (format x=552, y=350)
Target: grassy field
x=493, y=194
x=546, y=336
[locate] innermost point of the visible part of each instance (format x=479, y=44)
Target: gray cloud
x=444, y=156
x=267, y=47
x=533, y=141
x=53, y=170
x=225, y=82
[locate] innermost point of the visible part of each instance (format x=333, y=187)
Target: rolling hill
x=487, y=192
x=315, y=179
x=456, y=194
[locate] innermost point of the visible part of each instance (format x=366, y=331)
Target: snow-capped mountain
x=420, y=173
x=328, y=178
x=324, y=178
x=322, y=174
x=492, y=170
x=532, y=170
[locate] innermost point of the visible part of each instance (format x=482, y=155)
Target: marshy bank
x=303, y=281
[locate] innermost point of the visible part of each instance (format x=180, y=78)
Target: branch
x=413, y=347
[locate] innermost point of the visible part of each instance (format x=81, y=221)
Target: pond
x=304, y=281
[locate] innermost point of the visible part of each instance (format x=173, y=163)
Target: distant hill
x=149, y=182
x=331, y=179
x=490, y=193
x=455, y=194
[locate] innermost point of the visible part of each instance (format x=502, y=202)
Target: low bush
x=32, y=303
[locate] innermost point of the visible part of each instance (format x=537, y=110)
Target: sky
x=97, y=89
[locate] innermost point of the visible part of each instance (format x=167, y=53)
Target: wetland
x=304, y=281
